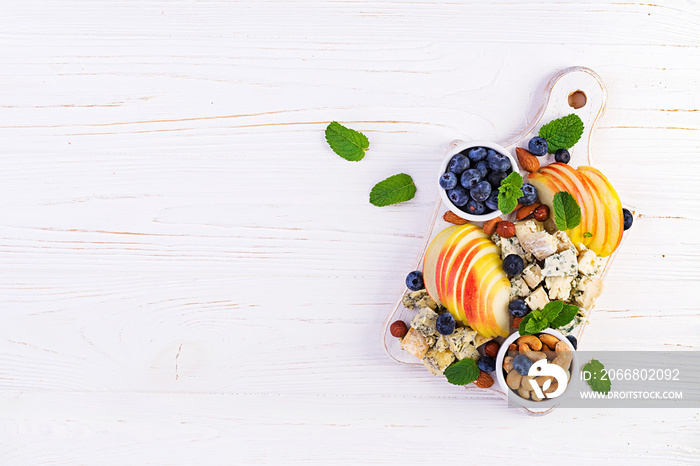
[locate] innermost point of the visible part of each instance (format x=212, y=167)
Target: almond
x=484, y=380
x=491, y=349
x=527, y=161
x=451, y=217
x=490, y=225
x=526, y=210
x=516, y=322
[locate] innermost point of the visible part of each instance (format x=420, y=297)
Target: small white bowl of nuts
x=521, y=358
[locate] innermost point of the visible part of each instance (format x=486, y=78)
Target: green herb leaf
x=462, y=372
x=395, y=189
x=346, y=142
x=536, y=324
x=565, y=317
x=599, y=380
x=551, y=310
x=588, y=234
x=567, y=213
x=523, y=324
x=562, y=133
x=509, y=191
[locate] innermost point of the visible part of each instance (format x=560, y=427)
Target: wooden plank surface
x=190, y=276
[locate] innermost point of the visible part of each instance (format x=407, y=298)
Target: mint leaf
x=523, y=324
x=566, y=315
x=551, y=310
x=346, y=142
x=598, y=380
x=536, y=324
x=563, y=132
x=567, y=213
x=588, y=234
x=395, y=189
x=462, y=372
x=509, y=192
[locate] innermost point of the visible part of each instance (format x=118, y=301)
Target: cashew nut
x=508, y=363
x=563, y=355
x=535, y=397
x=552, y=388
x=513, y=380
x=535, y=355
x=525, y=383
x=529, y=343
x=524, y=393
x=543, y=379
x=549, y=340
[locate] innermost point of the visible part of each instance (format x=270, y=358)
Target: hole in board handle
x=577, y=99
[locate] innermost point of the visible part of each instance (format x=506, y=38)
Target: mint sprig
x=555, y=314
x=562, y=133
x=598, y=379
x=567, y=213
x=462, y=372
x=395, y=189
x=346, y=142
x=509, y=192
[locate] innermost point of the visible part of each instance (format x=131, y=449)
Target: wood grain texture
x=189, y=275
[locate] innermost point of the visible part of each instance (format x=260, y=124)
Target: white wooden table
x=188, y=275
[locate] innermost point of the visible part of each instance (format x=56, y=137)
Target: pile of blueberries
x=472, y=179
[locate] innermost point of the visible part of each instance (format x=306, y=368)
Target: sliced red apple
x=613, y=207
x=477, y=290
x=430, y=262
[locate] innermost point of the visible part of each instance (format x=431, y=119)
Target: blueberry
x=487, y=364
x=518, y=308
x=529, y=194
x=498, y=162
x=414, y=280
x=476, y=154
x=459, y=196
x=522, y=364
x=513, y=264
x=475, y=207
x=627, y=215
x=538, y=146
x=495, y=179
x=492, y=201
x=470, y=178
x=562, y=155
x=448, y=180
x=481, y=191
x=573, y=341
x=445, y=324
x=483, y=167
x=458, y=164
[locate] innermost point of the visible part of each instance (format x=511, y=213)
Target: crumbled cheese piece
x=580, y=247
x=415, y=343
x=588, y=289
x=437, y=361
x=532, y=275
x=424, y=322
x=589, y=263
x=563, y=263
x=579, y=319
x=418, y=300
x=563, y=241
x=441, y=343
x=518, y=288
x=511, y=246
x=537, y=299
x=527, y=227
x=559, y=287
x=462, y=343
x=540, y=244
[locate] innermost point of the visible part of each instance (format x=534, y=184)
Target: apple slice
x=497, y=307
x=478, y=291
x=446, y=255
x=430, y=262
x=612, y=205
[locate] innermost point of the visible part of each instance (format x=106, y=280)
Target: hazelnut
x=541, y=213
x=513, y=347
x=398, y=329
x=491, y=349
x=505, y=229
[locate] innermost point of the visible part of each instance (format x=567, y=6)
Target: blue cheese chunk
x=462, y=343
x=561, y=264
x=532, y=274
x=518, y=288
x=579, y=319
x=441, y=343
x=415, y=343
x=437, y=361
x=589, y=263
x=540, y=244
x=563, y=241
x=537, y=299
x=559, y=287
x=424, y=322
x=587, y=290
x=418, y=300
